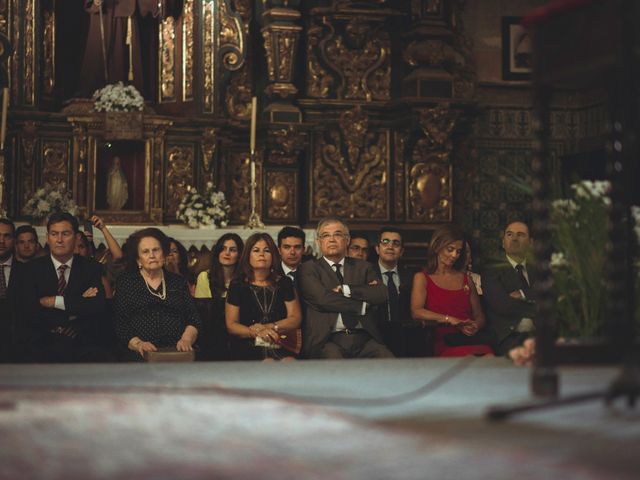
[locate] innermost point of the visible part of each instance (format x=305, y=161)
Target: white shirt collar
x=286, y=269
x=514, y=263
x=332, y=263
x=56, y=263
x=8, y=262
x=384, y=269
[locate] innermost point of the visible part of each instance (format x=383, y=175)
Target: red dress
x=456, y=303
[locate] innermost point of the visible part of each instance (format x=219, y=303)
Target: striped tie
x=62, y=282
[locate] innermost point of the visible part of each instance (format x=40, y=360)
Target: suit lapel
x=322, y=263
x=350, y=266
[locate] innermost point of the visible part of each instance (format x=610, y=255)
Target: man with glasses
x=341, y=295
x=399, y=332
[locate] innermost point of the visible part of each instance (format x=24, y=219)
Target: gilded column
x=281, y=36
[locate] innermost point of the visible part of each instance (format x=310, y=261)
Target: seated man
x=62, y=300
x=507, y=290
x=358, y=247
x=291, y=247
x=402, y=335
x=339, y=293
x=27, y=246
x=10, y=274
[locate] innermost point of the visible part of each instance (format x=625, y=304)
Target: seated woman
x=262, y=307
x=443, y=293
x=177, y=262
x=152, y=307
x=213, y=284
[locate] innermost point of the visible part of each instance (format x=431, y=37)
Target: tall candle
x=254, y=118
x=5, y=107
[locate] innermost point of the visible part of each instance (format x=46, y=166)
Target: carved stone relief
x=350, y=170
x=281, y=195
x=180, y=161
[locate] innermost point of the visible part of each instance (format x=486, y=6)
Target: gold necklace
x=162, y=295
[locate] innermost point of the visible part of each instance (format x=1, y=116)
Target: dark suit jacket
x=503, y=312
x=406, y=282
x=8, y=307
x=40, y=279
x=316, y=282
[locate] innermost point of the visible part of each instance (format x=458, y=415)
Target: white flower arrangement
x=49, y=199
x=117, y=97
x=209, y=209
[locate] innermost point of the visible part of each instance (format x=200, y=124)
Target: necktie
x=349, y=320
x=62, y=282
x=523, y=279
x=294, y=276
x=393, y=303
x=3, y=282
x=337, y=266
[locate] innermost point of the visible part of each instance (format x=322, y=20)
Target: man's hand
x=517, y=295
x=373, y=282
x=90, y=292
x=48, y=302
x=338, y=289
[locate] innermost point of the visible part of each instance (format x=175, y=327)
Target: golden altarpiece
x=360, y=106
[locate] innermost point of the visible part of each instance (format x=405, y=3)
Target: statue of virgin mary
x=117, y=186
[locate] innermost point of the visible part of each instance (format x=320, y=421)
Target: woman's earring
x=139, y=266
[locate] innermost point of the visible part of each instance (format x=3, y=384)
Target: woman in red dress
x=444, y=294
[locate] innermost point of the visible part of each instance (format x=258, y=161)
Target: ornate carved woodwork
x=209, y=144
x=180, y=170
x=281, y=196
x=167, y=59
x=238, y=192
x=29, y=140
x=15, y=32
x=350, y=168
x=285, y=145
x=55, y=162
x=188, y=47
x=349, y=55
x=209, y=34
x=430, y=180
x=48, y=52
x=29, y=65
x=281, y=36
x=238, y=95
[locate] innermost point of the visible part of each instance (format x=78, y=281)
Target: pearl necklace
x=162, y=295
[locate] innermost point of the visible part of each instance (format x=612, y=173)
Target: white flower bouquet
x=209, y=209
x=49, y=199
x=117, y=97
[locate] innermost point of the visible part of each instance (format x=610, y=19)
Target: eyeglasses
x=387, y=241
x=336, y=235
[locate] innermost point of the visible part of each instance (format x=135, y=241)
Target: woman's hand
x=456, y=322
x=98, y=222
x=184, y=345
x=470, y=328
x=90, y=292
x=256, y=328
x=143, y=347
x=268, y=334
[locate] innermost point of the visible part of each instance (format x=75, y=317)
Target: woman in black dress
x=262, y=308
x=152, y=306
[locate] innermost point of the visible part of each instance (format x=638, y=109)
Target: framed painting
x=517, y=58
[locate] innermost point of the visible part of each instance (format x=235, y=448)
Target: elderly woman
x=444, y=294
x=262, y=307
x=152, y=306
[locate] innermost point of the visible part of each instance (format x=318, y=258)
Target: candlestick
x=254, y=119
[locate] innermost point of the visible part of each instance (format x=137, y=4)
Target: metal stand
x=254, y=221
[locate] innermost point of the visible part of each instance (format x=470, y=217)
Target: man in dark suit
x=291, y=247
x=10, y=274
x=507, y=287
x=340, y=294
x=62, y=300
x=403, y=336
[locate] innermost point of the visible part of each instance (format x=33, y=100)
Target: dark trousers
x=56, y=348
x=358, y=344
